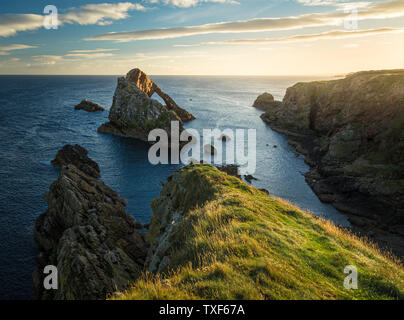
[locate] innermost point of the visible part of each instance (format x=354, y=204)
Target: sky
x=201, y=37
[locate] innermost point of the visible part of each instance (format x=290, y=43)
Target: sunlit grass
x=242, y=244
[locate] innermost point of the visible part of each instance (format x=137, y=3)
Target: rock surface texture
x=266, y=102
x=88, y=236
x=88, y=106
x=352, y=133
x=134, y=113
x=144, y=83
x=77, y=155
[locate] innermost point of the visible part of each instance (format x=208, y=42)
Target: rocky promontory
x=88, y=106
x=77, y=155
x=212, y=236
x=87, y=234
x=352, y=133
x=266, y=101
x=134, y=113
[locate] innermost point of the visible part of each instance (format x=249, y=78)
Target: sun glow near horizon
x=298, y=39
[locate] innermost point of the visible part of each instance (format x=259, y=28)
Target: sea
x=37, y=118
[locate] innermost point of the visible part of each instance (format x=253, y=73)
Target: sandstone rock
x=144, y=83
x=77, y=156
x=88, y=106
x=88, y=236
x=135, y=114
x=266, y=101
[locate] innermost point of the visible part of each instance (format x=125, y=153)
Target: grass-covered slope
x=222, y=239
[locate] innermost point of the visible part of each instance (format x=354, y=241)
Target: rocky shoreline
x=351, y=132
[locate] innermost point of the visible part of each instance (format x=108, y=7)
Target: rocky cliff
x=88, y=236
x=148, y=86
x=352, y=133
x=134, y=113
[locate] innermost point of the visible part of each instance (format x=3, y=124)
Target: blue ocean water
x=37, y=119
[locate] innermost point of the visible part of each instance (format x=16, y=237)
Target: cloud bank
x=382, y=10
x=6, y=49
x=334, y=34
x=100, y=14
x=189, y=3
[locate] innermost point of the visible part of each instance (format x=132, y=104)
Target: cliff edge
x=352, y=133
x=212, y=236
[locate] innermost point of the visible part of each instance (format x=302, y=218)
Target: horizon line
x=186, y=75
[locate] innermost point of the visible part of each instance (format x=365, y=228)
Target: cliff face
x=134, y=113
x=352, y=131
x=144, y=83
x=212, y=236
x=88, y=236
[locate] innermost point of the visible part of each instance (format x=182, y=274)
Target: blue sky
x=202, y=37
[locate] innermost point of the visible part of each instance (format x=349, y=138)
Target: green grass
x=239, y=243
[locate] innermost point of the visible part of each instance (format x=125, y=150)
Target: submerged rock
x=352, y=131
x=135, y=114
x=88, y=106
x=77, y=155
x=87, y=235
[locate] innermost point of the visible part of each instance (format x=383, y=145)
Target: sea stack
x=87, y=235
x=134, y=113
x=88, y=106
x=352, y=133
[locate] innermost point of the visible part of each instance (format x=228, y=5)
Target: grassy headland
x=233, y=241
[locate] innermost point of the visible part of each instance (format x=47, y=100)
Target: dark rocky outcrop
x=77, y=155
x=88, y=236
x=88, y=106
x=135, y=114
x=352, y=133
x=266, y=101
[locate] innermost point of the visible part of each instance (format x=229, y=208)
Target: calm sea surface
x=37, y=119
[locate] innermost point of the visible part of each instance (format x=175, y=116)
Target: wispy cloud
x=372, y=11
x=189, y=3
x=93, y=50
x=334, y=34
x=6, y=49
x=10, y=24
x=89, y=55
x=99, y=14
